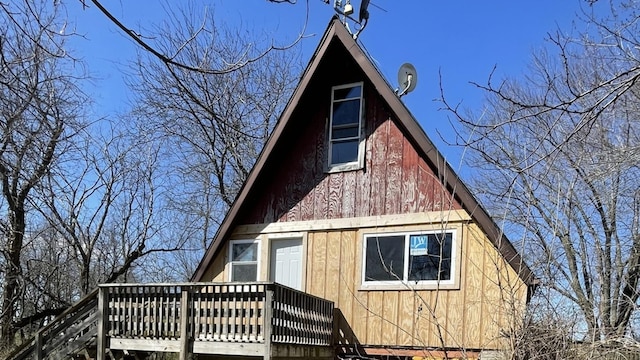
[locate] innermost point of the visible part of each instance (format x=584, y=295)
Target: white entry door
x=286, y=262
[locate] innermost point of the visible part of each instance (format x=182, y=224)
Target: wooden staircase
x=71, y=335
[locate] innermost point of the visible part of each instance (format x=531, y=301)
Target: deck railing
x=254, y=312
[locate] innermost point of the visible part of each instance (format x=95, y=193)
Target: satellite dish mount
x=346, y=10
x=407, y=79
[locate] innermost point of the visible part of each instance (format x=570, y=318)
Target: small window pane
x=385, y=258
x=244, y=252
x=344, y=152
x=342, y=133
x=244, y=272
x=435, y=262
x=347, y=93
x=346, y=112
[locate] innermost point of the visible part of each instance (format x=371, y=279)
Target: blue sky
x=461, y=39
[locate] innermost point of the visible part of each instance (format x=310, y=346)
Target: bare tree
x=559, y=151
x=39, y=109
x=212, y=125
x=171, y=56
x=105, y=205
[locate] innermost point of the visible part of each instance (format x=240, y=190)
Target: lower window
x=243, y=260
x=414, y=258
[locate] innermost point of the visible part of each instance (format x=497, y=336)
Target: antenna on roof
x=407, y=79
x=346, y=10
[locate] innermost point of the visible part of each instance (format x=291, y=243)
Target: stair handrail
x=29, y=346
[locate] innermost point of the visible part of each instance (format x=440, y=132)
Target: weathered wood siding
x=395, y=178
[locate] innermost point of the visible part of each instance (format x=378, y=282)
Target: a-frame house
x=351, y=202
x=351, y=238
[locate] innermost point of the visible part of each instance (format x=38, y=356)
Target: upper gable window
x=345, y=131
x=423, y=258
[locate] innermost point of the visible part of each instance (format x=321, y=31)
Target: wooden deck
x=249, y=319
x=258, y=319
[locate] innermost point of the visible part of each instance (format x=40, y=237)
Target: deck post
x=103, y=313
x=268, y=320
x=184, y=323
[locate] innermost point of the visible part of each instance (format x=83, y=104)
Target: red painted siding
x=395, y=178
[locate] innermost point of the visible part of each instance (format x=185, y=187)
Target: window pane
x=345, y=132
x=347, y=93
x=344, y=151
x=426, y=265
x=385, y=258
x=346, y=112
x=244, y=252
x=244, y=272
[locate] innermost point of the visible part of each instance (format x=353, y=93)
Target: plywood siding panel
x=390, y=317
x=363, y=178
x=378, y=167
x=474, y=266
x=293, y=214
x=349, y=194
x=321, y=202
x=406, y=318
x=332, y=283
x=336, y=192
x=441, y=301
x=346, y=287
x=425, y=325
x=374, y=317
x=469, y=317
x=455, y=319
x=319, y=261
x=361, y=299
x=409, y=178
x=393, y=196
x=424, y=186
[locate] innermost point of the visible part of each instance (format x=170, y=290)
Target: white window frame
x=231, y=262
x=404, y=283
x=359, y=161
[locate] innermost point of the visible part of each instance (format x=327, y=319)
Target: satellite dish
x=407, y=79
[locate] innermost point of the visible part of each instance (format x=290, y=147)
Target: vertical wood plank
x=440, y=302
x=422, y=321
x=336, y=191
x=409, y=190
x=455, y=318
x=349, y=194
x=319, y=260
x=393, y=198
x=473, y=309
x=321, y=202
x=332, y=280
x=360, y=303
x=390, y=318
x=406, y=319
x=379, y=169
x=363, y=178
x=425, y=187
x=374, y=317
x=347, y=286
